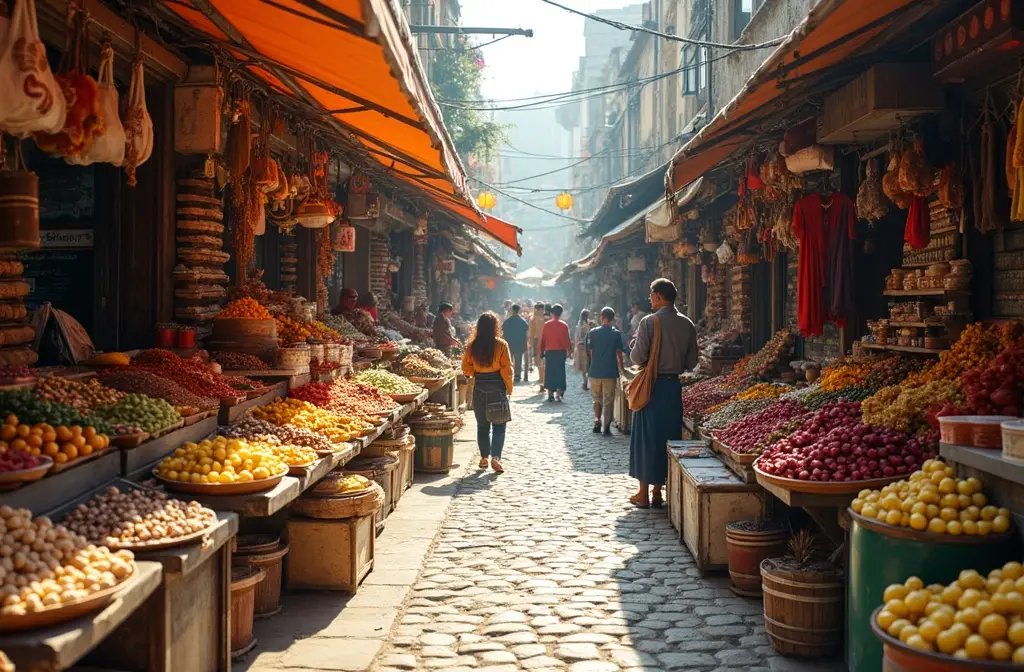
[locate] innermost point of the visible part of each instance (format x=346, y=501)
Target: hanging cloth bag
x=31, y=99
x=640, y=389
x=109, y=146
x=138, y=126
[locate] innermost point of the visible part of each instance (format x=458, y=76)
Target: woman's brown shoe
x=483, y=463
x=496, y=466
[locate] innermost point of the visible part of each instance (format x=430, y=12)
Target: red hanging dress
x=824, y=227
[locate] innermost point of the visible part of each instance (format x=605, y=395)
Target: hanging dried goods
x=891, y=183
x=138, y=125
x=916, y=175
x=33, y=100
x=870, y=195
x=51, y=566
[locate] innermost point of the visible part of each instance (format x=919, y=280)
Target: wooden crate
x=712, y=497
x=184, y=625
x=674, y=494
x=621, y=414
x=329, y=554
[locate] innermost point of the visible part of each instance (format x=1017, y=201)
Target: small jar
x=186, y=338
x=165, y=336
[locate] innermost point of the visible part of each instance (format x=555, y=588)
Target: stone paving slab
x=544, y=568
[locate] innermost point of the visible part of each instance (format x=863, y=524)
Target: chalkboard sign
x=63, y=277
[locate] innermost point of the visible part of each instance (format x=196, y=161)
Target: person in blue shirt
x=604, y=348
x=514, y=330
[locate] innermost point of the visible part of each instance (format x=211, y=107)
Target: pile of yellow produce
x=294, y=456
x=762, y=391
x=222, y=461
x=847, y=374
x=63, y=444
x=290, y=330
x=934, y=500
x=47, y=566
x=906, y=407
x=245, y=309
x=337, y=428
x=975, y=347
x=352, y=483
x=974, y=617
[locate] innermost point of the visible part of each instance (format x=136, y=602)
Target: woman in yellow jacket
x=488, y=362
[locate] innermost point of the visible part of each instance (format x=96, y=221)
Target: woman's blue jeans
x=490, y=445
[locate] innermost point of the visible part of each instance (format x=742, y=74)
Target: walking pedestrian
x=662, y=418
x=580, y=361
x=536, y=328
x=556, y=346
x=515, y=329
x=605, y=348
x=488, y=362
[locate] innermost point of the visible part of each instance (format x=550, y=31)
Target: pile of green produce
x=138, y=410
x=30, y=410
x=387, y=382
x=417, y=367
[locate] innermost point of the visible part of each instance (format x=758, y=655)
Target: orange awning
x=833, y=33
x=355, y=62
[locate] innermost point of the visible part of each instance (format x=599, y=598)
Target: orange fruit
x=60, y=458
x=23, y=430
x=89, y=432
x=50, y=448
x=71, y=450
x=63, y=433
x=86, y=450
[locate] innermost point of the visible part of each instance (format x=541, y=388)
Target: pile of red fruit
x=701, y=396
x=318, y=394
x=836, y=446
x=13, y=459
x=996, y=389
x=742, y=436
x=20, y=371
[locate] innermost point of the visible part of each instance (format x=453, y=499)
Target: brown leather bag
x=639, y=390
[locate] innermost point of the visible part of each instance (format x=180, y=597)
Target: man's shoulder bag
x=639, y=390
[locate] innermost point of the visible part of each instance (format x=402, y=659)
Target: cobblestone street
x=547, y=567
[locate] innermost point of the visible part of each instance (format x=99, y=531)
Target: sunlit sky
x=520, y=66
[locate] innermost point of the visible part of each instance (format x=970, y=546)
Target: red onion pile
x=17, y=460
x=836, y=446
x=742, y=436
x=996, y=389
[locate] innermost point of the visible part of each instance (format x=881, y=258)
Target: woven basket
x=366, y=503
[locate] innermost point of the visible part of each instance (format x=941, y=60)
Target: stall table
x=54, y=490
x=60, y=646
x=825, y=509
x=288, y=376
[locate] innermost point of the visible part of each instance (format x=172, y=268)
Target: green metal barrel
x=435, y=450
x=881, y=555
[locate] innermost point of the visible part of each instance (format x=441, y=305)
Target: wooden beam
x=161, y=62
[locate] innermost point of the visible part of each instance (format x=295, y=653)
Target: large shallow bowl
x=899, y=656
x=900, y=532
x=160, y=544
x=405, y=398
x=66, y=611
x=825, y=487
x=221, y=488
x=13, y=479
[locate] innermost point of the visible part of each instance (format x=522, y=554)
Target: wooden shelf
x=805, y=499
x=60, y=646
x=985, y=459
x=230, y=414
x=928, y=325
x=927, y=292
x=54, y=490
x=903, y=348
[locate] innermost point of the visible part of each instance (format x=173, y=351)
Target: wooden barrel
x=19, y=210
x=435, y=450
x=748, y=542
x=340, y=507
x=803, y=610
x=268, y=591
x=243, y=607
x=378, y=470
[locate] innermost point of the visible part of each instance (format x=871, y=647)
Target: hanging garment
x=917, y=232
x=825, y=227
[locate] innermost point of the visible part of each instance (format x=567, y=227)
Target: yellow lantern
x=485, y=200
x=564, y=201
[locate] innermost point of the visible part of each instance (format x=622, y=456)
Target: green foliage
x=456, y=75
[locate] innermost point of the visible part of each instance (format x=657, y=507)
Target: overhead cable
x=666, y=36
